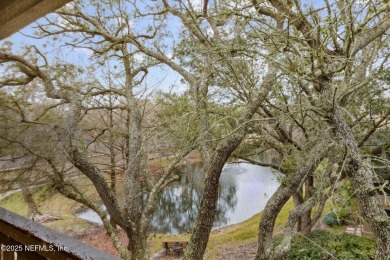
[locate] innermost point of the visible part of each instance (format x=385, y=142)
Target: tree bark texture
x=204, y=221
x=32, y=207
x=362, y=179
x=137, y=245
x=278, y=200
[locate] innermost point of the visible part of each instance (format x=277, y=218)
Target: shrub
x=328, y=245
x=337, y=219
x=331, y=219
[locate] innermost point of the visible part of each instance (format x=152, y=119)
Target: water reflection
x=243, y=191
x=179, y=203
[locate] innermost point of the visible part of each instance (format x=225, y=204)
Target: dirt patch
x=160, y=255
x=97, y=237
x=239, y=252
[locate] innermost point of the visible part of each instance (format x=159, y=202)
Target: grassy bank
x=51, y=202
x=224, y=239
x=231, y=236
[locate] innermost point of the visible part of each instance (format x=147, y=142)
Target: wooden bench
x=176, y=246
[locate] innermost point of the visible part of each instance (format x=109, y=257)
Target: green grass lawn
x=51, y=202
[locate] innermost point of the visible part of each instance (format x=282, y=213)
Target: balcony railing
x=23, y=239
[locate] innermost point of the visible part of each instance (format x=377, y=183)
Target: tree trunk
x=298, y=200
x=204, y=221
x=112, y=154
x=362, y=177
x=138, y=246
x=32, y=207
x=281, y=250
x=215, y=159
x=306, y=220
x=280, y=197
x=267, y=222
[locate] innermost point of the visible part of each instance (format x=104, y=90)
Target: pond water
x=244, y=189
